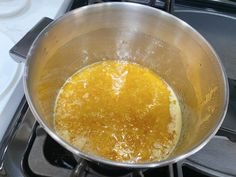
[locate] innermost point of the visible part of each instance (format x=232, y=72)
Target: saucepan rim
x=91, y=157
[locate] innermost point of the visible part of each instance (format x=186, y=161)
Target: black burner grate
x=57, y=155
x=45, y=157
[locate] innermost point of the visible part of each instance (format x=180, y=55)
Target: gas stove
x=31, y=152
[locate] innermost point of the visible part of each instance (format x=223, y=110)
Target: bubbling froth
x=119, y=111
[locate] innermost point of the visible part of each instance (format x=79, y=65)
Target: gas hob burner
x=54, y=160
x=45, y=157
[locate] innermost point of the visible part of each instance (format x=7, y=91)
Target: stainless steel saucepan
x=137, y=33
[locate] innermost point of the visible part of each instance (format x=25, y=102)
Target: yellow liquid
x=119, y=111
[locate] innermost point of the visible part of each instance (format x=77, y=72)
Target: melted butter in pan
x=120, y=111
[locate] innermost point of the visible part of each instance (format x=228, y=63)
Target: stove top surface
x=38, y=155
x=54, y=160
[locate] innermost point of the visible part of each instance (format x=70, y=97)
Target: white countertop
x=17, y=17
